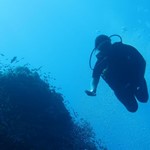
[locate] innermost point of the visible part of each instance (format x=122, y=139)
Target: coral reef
x=33, y=116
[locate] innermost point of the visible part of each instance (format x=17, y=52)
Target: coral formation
x=33, y=116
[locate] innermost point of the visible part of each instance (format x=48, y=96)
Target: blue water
x=59, y=36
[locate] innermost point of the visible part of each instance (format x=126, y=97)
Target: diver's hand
x=90, y=93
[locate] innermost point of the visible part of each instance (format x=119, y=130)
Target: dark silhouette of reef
x=33, y=116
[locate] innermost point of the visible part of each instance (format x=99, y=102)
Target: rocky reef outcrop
x=33, y=116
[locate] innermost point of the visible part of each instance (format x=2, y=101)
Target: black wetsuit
x=123, y=68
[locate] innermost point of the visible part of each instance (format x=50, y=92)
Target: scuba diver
x=122, y=67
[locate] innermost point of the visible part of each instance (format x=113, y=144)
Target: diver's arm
x=94, y=84
x=97, y=71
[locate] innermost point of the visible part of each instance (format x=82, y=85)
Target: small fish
x=2, y=54
x=13, y=59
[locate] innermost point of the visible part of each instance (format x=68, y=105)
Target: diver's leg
x=141, y=92
x=128, y=100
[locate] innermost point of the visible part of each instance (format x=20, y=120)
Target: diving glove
x=90, y=93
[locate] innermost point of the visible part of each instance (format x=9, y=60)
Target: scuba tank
x=94, y=50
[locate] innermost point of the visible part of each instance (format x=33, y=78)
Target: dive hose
x=95, y=49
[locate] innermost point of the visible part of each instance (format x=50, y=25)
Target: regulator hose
x=95, y=49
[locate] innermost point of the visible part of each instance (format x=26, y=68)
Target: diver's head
x=102, y=42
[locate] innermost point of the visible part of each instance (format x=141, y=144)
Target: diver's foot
x=90, y=93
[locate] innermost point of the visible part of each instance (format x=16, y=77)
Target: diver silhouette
x=123, y=68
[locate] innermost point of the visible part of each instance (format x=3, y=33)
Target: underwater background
x=58, y=36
